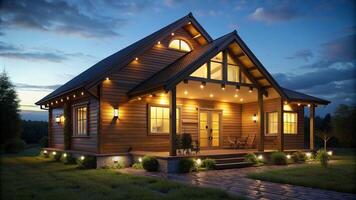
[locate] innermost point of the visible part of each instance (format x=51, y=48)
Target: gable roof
x=120, y=59
x=298, y=96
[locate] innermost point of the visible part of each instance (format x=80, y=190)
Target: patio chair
x=233, y=142
x=195, y=147
x=250, y=141
x=242, y=143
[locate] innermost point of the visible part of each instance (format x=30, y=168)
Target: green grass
x=30, y=177
x=339, y=176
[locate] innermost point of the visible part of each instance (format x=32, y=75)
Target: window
x=201, y=72
x=159, y=120
x=179, y=45
x=232, y=70
x=272, y=123
x=216, y=67
x=80, y=121
x=290, y=123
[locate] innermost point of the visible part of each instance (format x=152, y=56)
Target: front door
x=209, y=128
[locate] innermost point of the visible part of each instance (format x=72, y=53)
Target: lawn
x=339, y=176
x=27, y=176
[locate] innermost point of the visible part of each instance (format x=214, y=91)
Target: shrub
x=43, y=142
x=208, y=163
x=86, y=162
x=323, y=157
x=278, y=158
x=44, y=153
x=68, y=159
x=14, y=145
x=299, y=156
x=186, y=165
x=150, y=163
x=137, y=166
x=56, y=156
x=251, y=158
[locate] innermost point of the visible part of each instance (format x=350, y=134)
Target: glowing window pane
x=201, y=72
x=232, y=73
x=218, y=57
x=230, y=60
x=290, y=123
x=184, y=46
x=179, y=45
x=216, y=71
x=174, y=44
x=272, y=123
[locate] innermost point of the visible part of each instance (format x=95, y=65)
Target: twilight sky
x=308, y=46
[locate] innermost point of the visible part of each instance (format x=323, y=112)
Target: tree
x=325, y=131
x=344, y=125
x=10, y=122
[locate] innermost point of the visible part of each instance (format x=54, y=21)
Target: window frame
x=180, y=45
x=296, y=122
x=179, y=124
x=75, y=108
x=267, y=123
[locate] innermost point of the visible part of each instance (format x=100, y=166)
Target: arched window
x=179, y=45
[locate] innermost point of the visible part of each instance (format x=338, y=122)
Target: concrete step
x=232, y=165
x=226, y=155
x=230, y=160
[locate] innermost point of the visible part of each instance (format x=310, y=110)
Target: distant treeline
x=33, y=131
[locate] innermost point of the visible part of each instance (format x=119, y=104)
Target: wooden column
x=280, y=137
x=261, y=122
x=50, y=123
x=172, y=122
x=312, y=125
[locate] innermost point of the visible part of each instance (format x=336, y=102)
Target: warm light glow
x=82, y=157
x=107, y=78
x=116, y=159
x=236, y=95
x=198, y=161
x=287, y=107
x=56, y=101
x=82, y=93
x=54, y=153
x=211, y=95
x=185, y=92
x=47, y=105
x=150, y=95
x=116, y=112
x=286, y=102
x=74, y=96
x=223, y=86
x=61, y=100
x=61, y=118
x=65, y=155
x=202, y=85
x=159, y=42
x=189, y=22
x=260, y=157
x=298, y=104
x=139, y=159
x=163, y=95
x=330, y=153
x=139, y=98
x=308, y=154
x=136, y=59
x=309, y=105
x=51, y=103
x=254, y=118
x=241, y=99
x=58, y=119
x=237, y=88
x=172, y=34
x=289, y=156
x=250, y=90
x=67, y=98
x=45, y=151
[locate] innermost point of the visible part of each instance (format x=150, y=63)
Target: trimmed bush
x=186, y=165
x=56, y=156
x=323, y=157
x=14, y=145
x=137, y=166
x=299, y=157
x=68, y=159
x=43, y=142
x=44, y=154
x=278, y=158
x=150, y=163
x=208, y=163
x=251, y=158
x=86, y=162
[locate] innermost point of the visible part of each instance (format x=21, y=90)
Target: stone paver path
x=235, y=181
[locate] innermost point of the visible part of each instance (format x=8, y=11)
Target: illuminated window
x=201, y=72
x=290, y=123
x=216, y=67
x=272, y=123
x=80, y=120
x=232, y=70
x=159, y=120
x=179, y=45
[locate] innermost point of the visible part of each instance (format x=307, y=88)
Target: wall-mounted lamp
x=116, y=112
x=58, y=119
x=254, y=118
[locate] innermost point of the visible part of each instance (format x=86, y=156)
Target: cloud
x=275, y=14
x=13, y=52
x=36, y=87
x=58, y=17
x=340, y=50
x=304, y=54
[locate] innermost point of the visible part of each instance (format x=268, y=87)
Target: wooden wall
x=296, y=141
x=56, y=132
x=113, y=93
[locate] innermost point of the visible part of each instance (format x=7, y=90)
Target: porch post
x=280, y=136
x=173, y=121
x=261, y=122
x=312, y=126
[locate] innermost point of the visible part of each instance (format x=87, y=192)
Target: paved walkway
x=235, y=181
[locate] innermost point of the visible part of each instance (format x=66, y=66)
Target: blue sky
x=308, y=46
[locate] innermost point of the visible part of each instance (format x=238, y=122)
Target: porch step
x=232, y=165
x=229, y=160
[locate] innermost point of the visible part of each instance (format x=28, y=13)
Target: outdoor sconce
x=116, y=112
x=59, y=119
x=254, y=118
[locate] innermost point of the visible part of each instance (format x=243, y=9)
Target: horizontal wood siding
x=57, y=140
x=118, y=136
x=89, y=143
x=293, y=142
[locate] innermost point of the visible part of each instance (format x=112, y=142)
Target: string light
x=74, y=96
x=82, y=93
x=67, y=98
x=172, y=34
